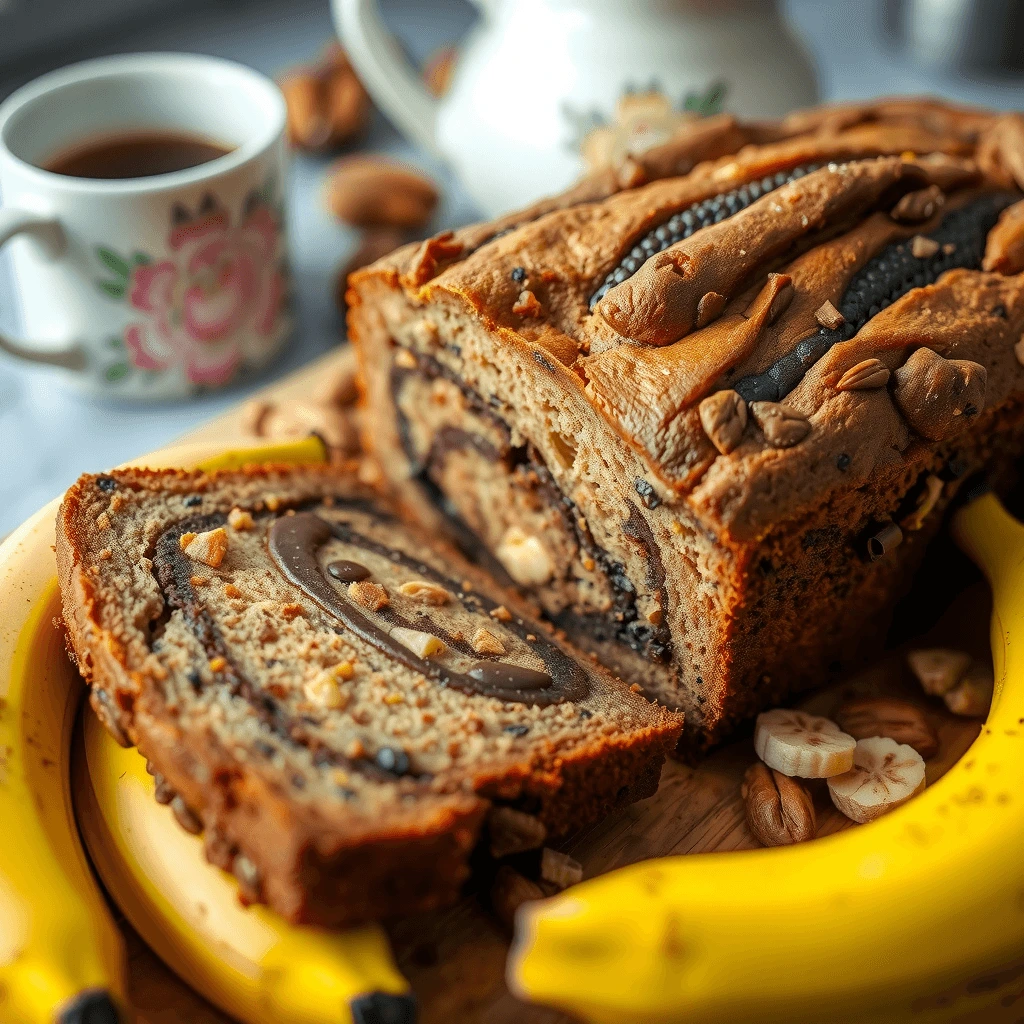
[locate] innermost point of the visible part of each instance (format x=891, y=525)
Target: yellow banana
x=917, y=916
x=61, y=957
x=249, y=962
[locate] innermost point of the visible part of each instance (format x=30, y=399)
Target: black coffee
x=139, y=155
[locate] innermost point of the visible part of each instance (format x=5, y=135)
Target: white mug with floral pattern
x=150, y=287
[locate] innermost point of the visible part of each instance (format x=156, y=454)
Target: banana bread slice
x=695, y=409
x=331, y=698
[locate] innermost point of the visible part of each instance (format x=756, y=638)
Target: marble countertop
x=48, y=434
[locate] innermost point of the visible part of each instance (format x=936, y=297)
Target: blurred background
x=962, y=50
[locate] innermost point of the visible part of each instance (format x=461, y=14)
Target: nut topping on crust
x=828, y=316
x=918, y=206
x=867, y=374
x=783, y=427
x=724, y=418
x=938, y=396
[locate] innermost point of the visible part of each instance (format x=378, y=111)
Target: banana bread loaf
x=709, y=409
x=331, y=699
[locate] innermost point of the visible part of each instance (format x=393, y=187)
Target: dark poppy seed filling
x=700, y=215
x=879, y=283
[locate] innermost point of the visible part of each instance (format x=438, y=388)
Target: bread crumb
x=589, y=564
x=239, y=519
x=273, y=502
x=103, y=521
x=198, y=581
x=527, y=304
x=394, y=698
x=531, y=637
x=344, y=670
x=291, y=610
x=105, y=554
x=218, y=664
x=636, y=688
x=501, y=613
x=355, y=750
x=208, y=547
x=230, y=590
x=485, y=642
x=405, y=359
x=370, y=595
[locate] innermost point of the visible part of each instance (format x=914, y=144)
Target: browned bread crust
x=213, y=673
x=693, y=381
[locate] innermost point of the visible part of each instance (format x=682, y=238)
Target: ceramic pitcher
x=544, y=89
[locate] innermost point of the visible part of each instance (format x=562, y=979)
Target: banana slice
x=885, y=774
x=795, y=743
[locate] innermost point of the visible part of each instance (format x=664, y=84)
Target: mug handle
x=50, y=236
x=394, y=82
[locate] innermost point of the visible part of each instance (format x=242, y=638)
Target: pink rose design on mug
x=210, y=305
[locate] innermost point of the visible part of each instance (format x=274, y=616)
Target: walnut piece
x=923, y=248
x=239, y=519
x=886, y=716
x=779, y=809
x=370, y=595
x=920, y=205
x=527, y=304
x=865, y=375
x=828, y=316
x=723, y=416
x=208, y=547
x=425, y=592
x=560, y=869
x=938, y=669
x=371, y=191
x=509, y=891
x=782, y=426
x=327, y=104
x=938, y=397
x=485, y=642
x=513, y=831
x=423, y=645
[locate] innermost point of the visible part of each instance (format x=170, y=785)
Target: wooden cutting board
x=455, y=959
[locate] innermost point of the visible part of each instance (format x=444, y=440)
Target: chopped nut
x=485, y=642
x=828, y=316
x=588, y=563
x=324, y=690
x=527, y=304
x=865, y=375
x=938, y=396
x=405, y=359
x=926, y=503
x=513, y=831
x=230, y=590
x=510, y=891
x=724, y=418
x=938, y=669
x=560, y=869
x=524, y=557
x=885, y=716
x=218, y=664
x=370, y=595
x=923, y=248
x=779, y=809
x=394, y=698
x=208, y=547
x=239, y=519
x=501, y=613
x=919, y=205
x=782, y=426
x=972, y=695
x=425, y=592
x=103, y=521
x=198, y=581
x=424, y=645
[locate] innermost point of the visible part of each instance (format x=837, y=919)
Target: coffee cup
x=143, y=208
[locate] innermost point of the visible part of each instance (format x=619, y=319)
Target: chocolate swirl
x=293, y=543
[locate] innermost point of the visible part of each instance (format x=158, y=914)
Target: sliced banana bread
x=333, y=699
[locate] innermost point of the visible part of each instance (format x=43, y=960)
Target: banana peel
x=918, y=916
